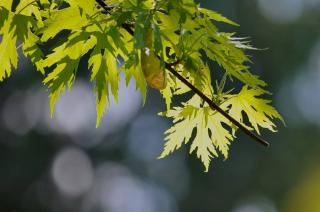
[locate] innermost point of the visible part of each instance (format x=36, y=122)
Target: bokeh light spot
x=72, y=172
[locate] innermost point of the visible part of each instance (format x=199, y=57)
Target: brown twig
x=212, y=105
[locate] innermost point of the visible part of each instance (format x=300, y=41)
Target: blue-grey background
x=65, y=164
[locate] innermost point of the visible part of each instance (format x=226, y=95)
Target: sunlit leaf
x=143, y=39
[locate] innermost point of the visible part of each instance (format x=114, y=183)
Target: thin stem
x=216, y=107
x=23, y=8
x=212, y=105
x=18, y=47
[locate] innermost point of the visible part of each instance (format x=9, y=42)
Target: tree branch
x=212, y=105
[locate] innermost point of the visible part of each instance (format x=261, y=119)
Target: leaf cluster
x=177, y=32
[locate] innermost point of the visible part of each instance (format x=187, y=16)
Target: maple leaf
x=29, y=8
x=8, y=51
x=17, y=27
x=210, y=134
x=117, y=36
x=259, y=111
x=60, y=78
x=7, y=4
x=105, y=73
x=65, y=19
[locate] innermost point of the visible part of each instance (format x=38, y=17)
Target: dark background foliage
x=65, y=164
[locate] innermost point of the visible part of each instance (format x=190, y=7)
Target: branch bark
x=212, y=105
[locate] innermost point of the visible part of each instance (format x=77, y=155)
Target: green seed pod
x=151, y=66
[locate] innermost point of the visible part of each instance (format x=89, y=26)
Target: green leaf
x=210, y=135
x=28, y=8
x=6, y=4
x=157, y=43
x=61, y=77
x=105, y=74
x=143, y=23
x=118, y=41
x=8, y=51
x=259, y=111
x=64, y=19
x=176, y=33
x=76, y=46
x=135, y=72
x=233, y=60
x=216, y=16
x=32, y=50
x=168, y=93
x=4, y=13
x=20, y=25
x=88, y=6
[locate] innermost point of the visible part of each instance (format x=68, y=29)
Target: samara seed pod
x=153, y=72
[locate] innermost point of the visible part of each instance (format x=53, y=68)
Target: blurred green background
x=65, y=164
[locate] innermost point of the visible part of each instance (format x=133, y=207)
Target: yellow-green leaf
x=6, y=4
x=61, y=77
x=68, y=18
x=259, y=111
x=8, y=51
x=211, y=135
x=105, y=74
